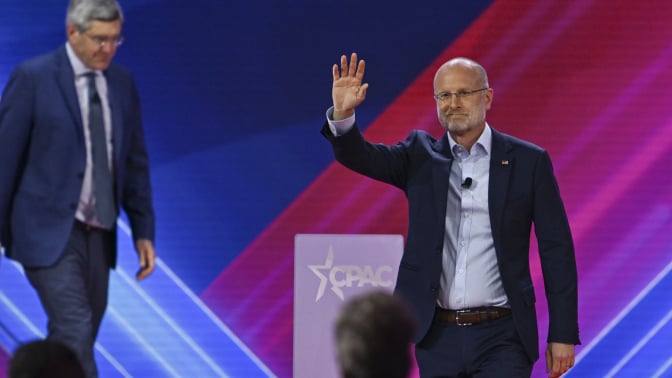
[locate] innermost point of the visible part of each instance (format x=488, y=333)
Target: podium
x=329, y=270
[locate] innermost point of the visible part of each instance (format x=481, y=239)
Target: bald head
x=471, y=67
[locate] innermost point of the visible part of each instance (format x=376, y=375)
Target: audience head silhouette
x=373, y=333
x=45, y=359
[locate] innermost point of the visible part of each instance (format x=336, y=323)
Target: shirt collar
x=78, y=67
x=483, y=142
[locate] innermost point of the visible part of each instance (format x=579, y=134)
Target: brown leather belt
x=469, y=316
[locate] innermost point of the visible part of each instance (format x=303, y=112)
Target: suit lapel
x=501, y=164
x=442, y=161
x=65, y=78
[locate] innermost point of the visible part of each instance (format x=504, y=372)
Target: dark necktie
x=103, y=192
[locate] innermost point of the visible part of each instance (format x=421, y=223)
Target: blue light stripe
x=640, y=344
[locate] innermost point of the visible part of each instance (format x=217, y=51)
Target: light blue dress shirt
x=470, y=276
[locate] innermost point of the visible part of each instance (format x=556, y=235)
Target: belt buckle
x=457, y=318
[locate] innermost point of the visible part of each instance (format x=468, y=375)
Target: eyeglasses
x=106, y=41
x=447, y=96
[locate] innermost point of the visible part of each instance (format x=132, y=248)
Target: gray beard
x=458, y=128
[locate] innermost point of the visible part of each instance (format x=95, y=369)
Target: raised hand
x=348, y=91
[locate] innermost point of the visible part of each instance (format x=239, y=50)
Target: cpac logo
x=341, y=276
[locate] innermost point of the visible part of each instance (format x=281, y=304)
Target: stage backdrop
x=234, y=95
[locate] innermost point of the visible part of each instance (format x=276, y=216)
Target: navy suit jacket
x=522, y=191
x=43, y=157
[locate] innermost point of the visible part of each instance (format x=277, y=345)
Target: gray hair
x=82, y=12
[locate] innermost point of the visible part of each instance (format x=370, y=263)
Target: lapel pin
x=505, y=162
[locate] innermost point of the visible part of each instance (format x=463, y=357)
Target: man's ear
x=70, y=30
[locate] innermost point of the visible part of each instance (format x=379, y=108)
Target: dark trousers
x=73, y=291
x=486, y=350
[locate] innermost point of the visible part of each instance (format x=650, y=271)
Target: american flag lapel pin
x=505, y=162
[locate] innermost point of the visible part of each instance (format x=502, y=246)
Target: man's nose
x=453, y=102
x=108, y=48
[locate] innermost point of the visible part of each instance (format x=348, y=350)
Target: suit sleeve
x=556, y=251
x=380, y=162
x=15, y=128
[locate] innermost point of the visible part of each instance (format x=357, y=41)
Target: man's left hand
x=559, y=359
x=146, y=257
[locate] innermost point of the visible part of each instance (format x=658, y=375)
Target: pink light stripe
x=598, y=205
x=261, y=283
x=385, y=201
x=646, y=78
x=518, y=32
x=281, y=327
x=541, y=43
x=349, y=193
x=265, y=325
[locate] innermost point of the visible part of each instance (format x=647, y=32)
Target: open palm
x=348, y=91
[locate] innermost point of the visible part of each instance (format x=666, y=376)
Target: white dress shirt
x=86, y=201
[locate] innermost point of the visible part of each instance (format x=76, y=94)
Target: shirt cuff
x=339, y=127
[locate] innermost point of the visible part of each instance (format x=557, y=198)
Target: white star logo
x=323, y=279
